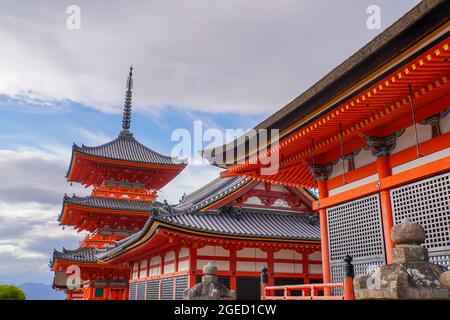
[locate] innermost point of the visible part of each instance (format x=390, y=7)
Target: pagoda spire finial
x=127, y=106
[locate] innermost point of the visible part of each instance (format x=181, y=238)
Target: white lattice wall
x=427, y=202
x=355, y=228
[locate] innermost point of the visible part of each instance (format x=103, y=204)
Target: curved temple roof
x=125, y=147
x=109, y=203
x=229, y=221
x=83, y=255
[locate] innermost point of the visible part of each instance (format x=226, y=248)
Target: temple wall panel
x=135, y=273
x=184, y=252
x=287, y=254
x=169, y=267
x=247, y=266
x=169, y=256
x=281, y=267
x=217, y=251
x=220, y=264
x=143, y=269
x=281, y=203
x=364, y=157
x=337, y=169
x=421, y=161
x=183, y=265
x=254, y=200
x=315, y=256
x=353, y=185
x=408, y=139
x=445, y=124
x=315, y=269
x=251, y=253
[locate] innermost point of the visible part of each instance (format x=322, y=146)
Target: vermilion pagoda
x=125, y=176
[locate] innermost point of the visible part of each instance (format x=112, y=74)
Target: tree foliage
x=11, y=292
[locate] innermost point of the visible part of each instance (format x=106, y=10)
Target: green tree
x=10, y=292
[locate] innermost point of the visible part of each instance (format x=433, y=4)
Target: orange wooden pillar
x=384, y=170
x=323, y=193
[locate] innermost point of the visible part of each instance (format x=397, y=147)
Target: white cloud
x=31, y=192
x=214, y=56
x=19, y=253
x=189, y=180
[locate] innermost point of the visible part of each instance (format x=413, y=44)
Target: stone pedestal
x=209, y=288
x=410, y=276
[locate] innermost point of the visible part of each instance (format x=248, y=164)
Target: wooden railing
x=307, y=292
x=311, y=291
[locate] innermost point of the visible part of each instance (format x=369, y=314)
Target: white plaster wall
x=135, y=270
x=337, y=169
x=288, y=267
x=253, y=200
x=353, y=185
x=184, y=252
x=155, y=271
x=287, y=254
x=315, y=268
x=248, y=266
x=183, y=265
x=217, y=251
x=169, y=268
x=421, y=161
x=143, y=269
x=364, y=157
x=169, y=256
x=408, y=139
x=315, y=256
x=281, y=203
x=251, y=253
x=221, y=265
x=155, y=260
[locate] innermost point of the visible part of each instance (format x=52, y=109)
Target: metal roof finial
x=127, y=107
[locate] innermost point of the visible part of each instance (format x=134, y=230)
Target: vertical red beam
x=305, y=261
x=233, y=259
x=192, y=266
x=107, y=295
x=323, y=193
x=384, y=170
x=270, y=266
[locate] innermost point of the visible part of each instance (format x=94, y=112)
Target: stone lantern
x=410, y=276
x=209, y=288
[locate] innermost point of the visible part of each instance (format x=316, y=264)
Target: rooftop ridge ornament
x=126, y=121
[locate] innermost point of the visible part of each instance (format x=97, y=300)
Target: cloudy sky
x=227, y=63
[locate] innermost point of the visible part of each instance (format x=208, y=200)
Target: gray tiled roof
x=210, y=193
x=248, y=223
x=86, y=255
x=106, y=203
x=126, y=147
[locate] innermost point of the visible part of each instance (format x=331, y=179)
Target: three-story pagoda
x=125, y=176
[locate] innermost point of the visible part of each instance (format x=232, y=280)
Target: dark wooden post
x=349, y=293
x=264, y=281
